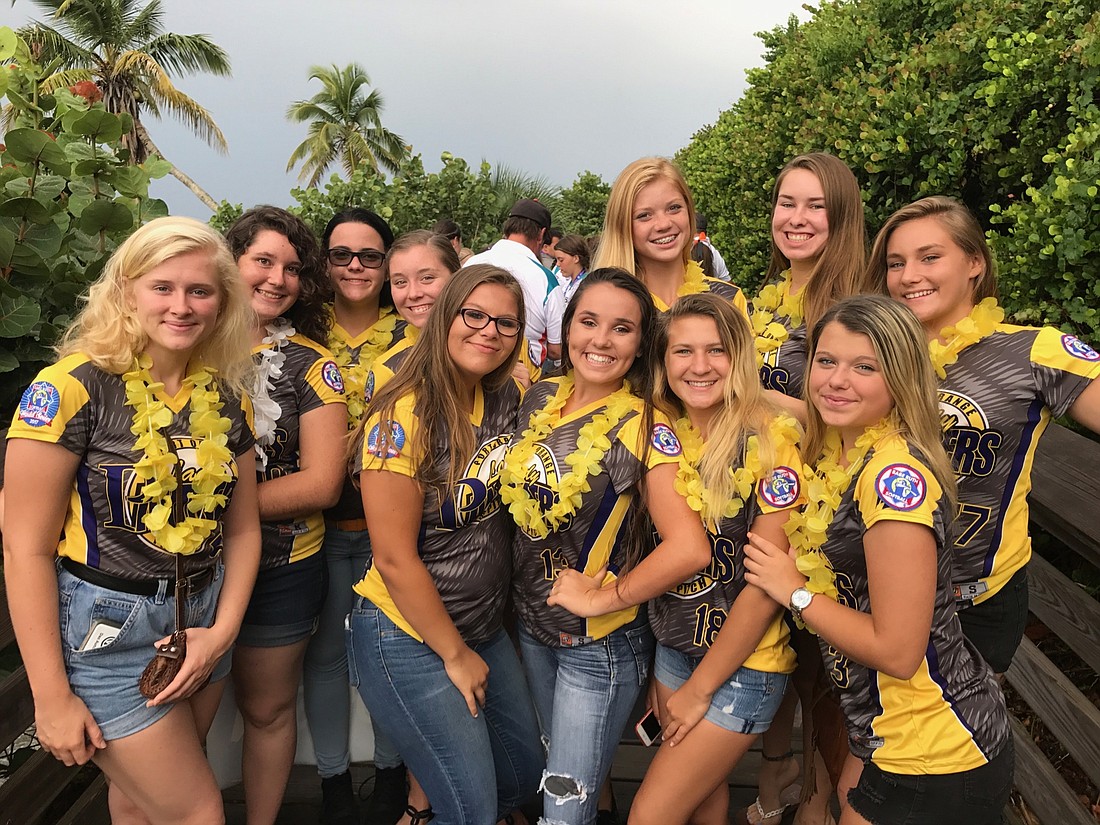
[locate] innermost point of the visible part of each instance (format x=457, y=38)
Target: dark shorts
x=285, y=604
x=974, y=797
x=996, y=626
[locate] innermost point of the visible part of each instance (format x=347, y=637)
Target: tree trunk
x=177, y=173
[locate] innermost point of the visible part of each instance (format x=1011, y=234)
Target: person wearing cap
x=518, y=252
x=721, y=271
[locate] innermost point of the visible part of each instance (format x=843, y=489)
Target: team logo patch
x=39, y=404
x=368, y=392
x=781, y=490
x=901, y=487
x=665, y=440
x=330, y=374
x=1079, y=349
x=394, y=442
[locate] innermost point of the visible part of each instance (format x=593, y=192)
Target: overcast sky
x=551, y=88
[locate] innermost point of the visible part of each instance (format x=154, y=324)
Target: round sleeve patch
x=1079, y=349
x=665, y=440
x=39, y=405
x=781, y=490
x=394, y=441
x=330, y=374
x=901, y=487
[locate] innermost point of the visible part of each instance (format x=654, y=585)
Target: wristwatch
x=800, y=600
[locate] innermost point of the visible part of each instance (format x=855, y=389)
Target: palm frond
x=188, y=54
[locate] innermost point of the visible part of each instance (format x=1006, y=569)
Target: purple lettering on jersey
x=781, y=490
x=901, y=487
x=39, y=405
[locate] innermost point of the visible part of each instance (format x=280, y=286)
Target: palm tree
x=123, y=47
x=345, y=126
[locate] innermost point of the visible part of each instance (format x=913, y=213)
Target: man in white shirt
x=518, y=252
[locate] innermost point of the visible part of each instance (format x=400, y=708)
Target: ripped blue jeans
x=583, y=697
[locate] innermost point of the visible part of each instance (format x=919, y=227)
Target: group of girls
x=655, y=504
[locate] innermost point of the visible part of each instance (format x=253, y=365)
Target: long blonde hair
x=429, y=373
x=839, y=270
x=616, y=247
x=902, y=352
x=107, y=330
x=746, y=409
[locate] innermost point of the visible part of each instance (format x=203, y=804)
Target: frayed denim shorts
x=745, y=703
x=105, y=677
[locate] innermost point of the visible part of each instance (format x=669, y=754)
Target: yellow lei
x=980, y=323
x=693, y=280
x=782, y=429
x=592, y=444
x=774, y=301
x=355, y=375
x=157, y=466
x=826, y=482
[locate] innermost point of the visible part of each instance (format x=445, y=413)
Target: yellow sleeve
x=1057, y=350
x=391, y=445
x=325, y=379
x=783, y=488
x=662, y=445
x=896, y=486
x=52, y=401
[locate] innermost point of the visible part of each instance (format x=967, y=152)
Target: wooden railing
x=1065, y=503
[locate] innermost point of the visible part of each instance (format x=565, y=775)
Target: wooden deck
x=302, y=804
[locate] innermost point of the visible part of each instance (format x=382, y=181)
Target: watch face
x=801, y=598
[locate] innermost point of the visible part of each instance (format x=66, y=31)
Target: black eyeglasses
x=476, y=319
x=370, y=258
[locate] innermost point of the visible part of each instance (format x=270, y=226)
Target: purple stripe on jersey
x=87, y=516
x=599, y=521
x=933, y=659
x=1027, y=435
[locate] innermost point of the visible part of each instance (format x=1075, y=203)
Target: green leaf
x=45, y=239
x=92, y=166
x=98, y=124
x=157, y=167
x=17, y=316
x=35, y=146
x=132, y=181
x=8, y=361
x=105, y=215
x=8, y=42
x=7, y=245
x=25, y=208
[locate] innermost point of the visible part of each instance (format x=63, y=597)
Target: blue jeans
x=583, y=696
x=325, y=675
x=473, y=770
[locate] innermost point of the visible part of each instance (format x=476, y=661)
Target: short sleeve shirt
x=82, y=408
x=950, y=716
x=465, y=538
x=310, y=379
x=597, y=534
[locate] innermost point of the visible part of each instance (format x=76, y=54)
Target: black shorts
x=996, y=626
x=285, y=603
x=974, y=797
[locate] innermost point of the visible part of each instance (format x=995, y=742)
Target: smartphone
x=101, y=634
x=649, y=728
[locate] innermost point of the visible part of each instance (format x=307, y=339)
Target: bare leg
x=162, y=774
x=778, y=771
x=266, y=681
x=418, y=800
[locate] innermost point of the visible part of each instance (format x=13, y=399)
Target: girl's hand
x=578, y=593
x=469, y=673
x=521, y=374
x=684, y=710
x=66, y=729
x=203, y=653
x=771, y=569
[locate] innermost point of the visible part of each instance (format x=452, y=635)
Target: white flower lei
x=265, y=409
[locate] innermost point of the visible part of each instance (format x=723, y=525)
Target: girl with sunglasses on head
x=431, y=658
x=135, y=449
x=722, y=653
x=649, y=229
x=1000, y=384
x=927, y=727
x=588, y=455
x=301, y=421
x=363, y=326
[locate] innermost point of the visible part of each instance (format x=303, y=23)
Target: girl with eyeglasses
x=588, y=455
x=430, y=655
x=301, y=423
x=928, y=734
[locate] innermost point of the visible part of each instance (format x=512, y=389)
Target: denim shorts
x=285, y=604
x=974, y=797
x=106, y=678
x=745, y=703
x=996, y=626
